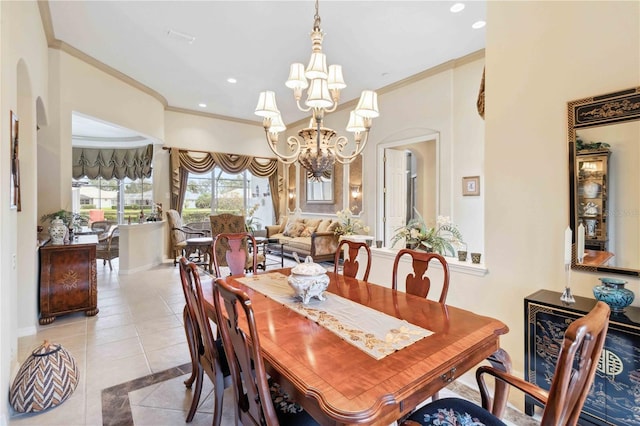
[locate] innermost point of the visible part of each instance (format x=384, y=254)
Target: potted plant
x=348, y=225
x=71, y=220
x=439, y=239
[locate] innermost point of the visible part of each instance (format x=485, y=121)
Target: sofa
x=307, y=237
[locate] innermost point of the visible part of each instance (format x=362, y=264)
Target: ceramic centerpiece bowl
x=613, y=293
x=309, y=280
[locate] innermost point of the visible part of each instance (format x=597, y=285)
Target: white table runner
x=374, y=332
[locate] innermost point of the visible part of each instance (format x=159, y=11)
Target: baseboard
x=27, y=331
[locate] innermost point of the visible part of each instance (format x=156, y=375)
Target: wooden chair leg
x=193, y=350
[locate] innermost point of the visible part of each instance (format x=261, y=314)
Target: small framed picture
x=471, y=185
x=14, y=177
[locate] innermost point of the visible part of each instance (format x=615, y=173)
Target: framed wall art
x=14, y=179
x=471, y=185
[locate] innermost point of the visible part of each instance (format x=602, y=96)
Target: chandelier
x=317, y=148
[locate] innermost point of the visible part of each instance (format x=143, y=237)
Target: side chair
x=574, y=373
x=351, y=265
x=227, y=223
x=416, y=282
x=232, y=250
x=207, y=353
x=258, y=400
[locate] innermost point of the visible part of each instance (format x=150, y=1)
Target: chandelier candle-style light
x=319, y=147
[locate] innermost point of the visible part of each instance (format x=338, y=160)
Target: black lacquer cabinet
x=614, y=398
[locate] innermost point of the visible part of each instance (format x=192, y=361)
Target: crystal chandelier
x=317, y=148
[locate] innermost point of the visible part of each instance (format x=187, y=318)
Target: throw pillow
x=312, y=222
x=324, y=225
x=283, y=223
x=308, y=230
x=333, y=226
x=295, y=230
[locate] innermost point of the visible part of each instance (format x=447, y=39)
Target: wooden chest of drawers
x=615, y=395
x=68, y=280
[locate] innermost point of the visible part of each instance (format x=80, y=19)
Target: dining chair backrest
x=208, y=353
x=351, y=265
x=577, y=361
x=417, y=283
x=251, y=387
x=226, y=223
x=576, y=367
x=233, y=249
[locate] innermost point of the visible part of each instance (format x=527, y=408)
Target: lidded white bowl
x=309, y=280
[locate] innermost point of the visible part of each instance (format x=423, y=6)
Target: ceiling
x=376, y=42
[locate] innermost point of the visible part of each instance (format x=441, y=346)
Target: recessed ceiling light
x=457, y=7
x=202, y=105
x=232, y=80
x=478, y=25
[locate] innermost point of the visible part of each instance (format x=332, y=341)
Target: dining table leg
x=500, y=360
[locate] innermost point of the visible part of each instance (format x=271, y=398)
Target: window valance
x=110, y=163
x=183, y=162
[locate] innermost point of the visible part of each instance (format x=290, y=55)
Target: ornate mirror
x=604, y=182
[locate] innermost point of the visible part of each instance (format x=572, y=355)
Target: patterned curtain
x=183, y=162
x=132, y=163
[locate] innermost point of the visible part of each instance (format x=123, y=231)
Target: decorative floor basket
x=46, y=379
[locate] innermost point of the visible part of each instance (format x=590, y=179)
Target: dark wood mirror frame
x=595, y=111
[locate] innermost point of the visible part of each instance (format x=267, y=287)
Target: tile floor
x=135, y=350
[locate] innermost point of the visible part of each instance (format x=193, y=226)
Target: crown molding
x=54, y=43
x=211, y=115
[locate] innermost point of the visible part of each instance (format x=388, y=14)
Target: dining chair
x=416, y=282
x=207, y=353
x=258, y=400
x=232, y=250
x=575, y=369
x=109, y=248
x=351, y=265
x=227, y=223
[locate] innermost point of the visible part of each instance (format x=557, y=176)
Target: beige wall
x=23, y=67
x=539, y=56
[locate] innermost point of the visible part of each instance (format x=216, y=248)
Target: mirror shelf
x=604, y=185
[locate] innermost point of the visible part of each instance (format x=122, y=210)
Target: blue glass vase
x=613, y=293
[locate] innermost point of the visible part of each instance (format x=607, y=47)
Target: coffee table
x=276, y=248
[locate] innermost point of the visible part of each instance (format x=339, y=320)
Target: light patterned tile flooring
x=137, y=334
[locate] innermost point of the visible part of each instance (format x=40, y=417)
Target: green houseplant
x=69, y=218
x=438, y=239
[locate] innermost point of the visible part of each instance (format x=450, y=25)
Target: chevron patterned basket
x=46, y=379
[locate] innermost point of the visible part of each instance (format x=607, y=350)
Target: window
x=219, y=192
x=114, y=199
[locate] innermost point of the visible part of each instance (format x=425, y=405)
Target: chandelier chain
x=316, y=17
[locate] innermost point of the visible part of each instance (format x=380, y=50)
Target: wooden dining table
x=338, y=383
